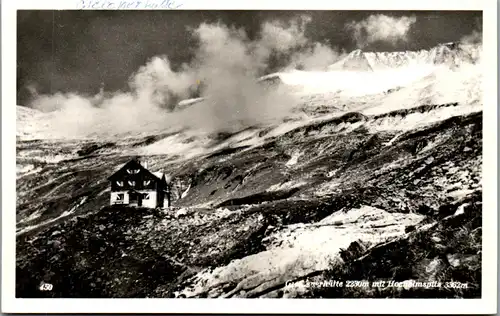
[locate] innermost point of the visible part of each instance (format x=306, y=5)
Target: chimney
x=144, y=163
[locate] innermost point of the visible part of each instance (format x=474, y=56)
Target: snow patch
x=304, y=248
x=32, y=217
x=286, y=186
x=185, y=193
x=295, y=158
x=179, y=144
x=417, y=120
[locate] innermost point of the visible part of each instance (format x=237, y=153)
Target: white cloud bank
x=226, y=62
x=381, y=27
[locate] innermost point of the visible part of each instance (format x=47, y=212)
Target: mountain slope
x=305, y=176
x=374, y=176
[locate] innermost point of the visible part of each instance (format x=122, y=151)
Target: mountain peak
x=451, y=54
x=356, y=60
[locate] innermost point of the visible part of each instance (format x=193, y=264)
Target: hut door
x=134, y=199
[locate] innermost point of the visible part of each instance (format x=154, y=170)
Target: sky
x=86, y=51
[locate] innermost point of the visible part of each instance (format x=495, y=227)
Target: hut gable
x=133, y=169
x=135, y=185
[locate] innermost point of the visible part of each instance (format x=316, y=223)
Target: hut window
x=131, y=183
x=119, y=183
x=119, y=197
x=147, y=182
x=133, y=171
x=146, y=196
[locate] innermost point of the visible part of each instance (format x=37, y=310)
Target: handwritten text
x=127, y=4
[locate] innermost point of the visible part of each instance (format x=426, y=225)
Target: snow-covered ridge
x=367, y=73
x=450, y=54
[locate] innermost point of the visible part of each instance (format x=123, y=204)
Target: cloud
x=224, y=69
x=157, y=84
x=381, y=28
x=228, y=67
x=316, y=57
x=472, y=44
x=277, y=36
x=476, y=37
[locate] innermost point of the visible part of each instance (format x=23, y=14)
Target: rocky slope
x=251, y=219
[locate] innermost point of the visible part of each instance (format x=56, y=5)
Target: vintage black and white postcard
x=178, y=152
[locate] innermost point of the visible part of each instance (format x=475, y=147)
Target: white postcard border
x=486, y=305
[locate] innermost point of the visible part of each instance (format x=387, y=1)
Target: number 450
x=45, y=287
